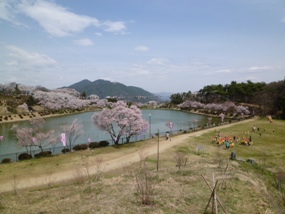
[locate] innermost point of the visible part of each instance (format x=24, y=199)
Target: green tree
x=180, y=97
x=83, y=94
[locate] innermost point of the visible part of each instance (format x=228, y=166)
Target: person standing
x=227, y=144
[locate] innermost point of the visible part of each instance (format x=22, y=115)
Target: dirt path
x=116, y=163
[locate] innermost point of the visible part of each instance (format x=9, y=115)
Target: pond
x=157, y=119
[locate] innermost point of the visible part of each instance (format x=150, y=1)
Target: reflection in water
x=158, y=118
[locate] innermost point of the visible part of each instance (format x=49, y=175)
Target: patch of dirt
x=115, y=161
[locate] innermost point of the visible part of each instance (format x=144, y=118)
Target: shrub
x=76, y=148
x=180, y=159
x=103, y=143
x=6, y=160
x=24, y=156
x=145, y=185
x=93, y=145
x=43, y=154
x=84, y=146
x=64, y=150
x=80, y=147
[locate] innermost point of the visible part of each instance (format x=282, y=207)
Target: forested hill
x=104, y=88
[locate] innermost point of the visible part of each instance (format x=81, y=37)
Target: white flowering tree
x=195, y=123
x=229, y=107
x=24, y=107
x=120, y=120
x=60, y=99
x=33, y=135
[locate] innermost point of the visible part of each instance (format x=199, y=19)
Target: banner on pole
x=63, y=140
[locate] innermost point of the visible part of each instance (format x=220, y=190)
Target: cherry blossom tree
x=60, y=99
x=195, y=123
x=210, y=120
x=33, y=135
x=120, y=120
x=229, y=107
x=93, y=99
x=152, y=104
x=24, y=107
x=222, y=116
x=101, y=103
x=24, y=136
x=73, y=132
x=41, y=139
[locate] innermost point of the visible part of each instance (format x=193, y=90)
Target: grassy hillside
x=242, y=187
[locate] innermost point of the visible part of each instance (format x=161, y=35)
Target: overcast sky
x=158, y=45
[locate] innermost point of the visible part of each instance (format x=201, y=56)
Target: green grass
x=250, y=188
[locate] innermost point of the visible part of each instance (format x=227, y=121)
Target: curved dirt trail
x=107, y=166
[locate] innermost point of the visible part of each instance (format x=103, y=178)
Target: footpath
x=107, y=166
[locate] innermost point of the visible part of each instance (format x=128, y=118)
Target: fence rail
x=58, y=149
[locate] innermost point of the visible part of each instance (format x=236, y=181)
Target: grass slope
x=247, y=188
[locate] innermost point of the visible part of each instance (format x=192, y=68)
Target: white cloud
x=7, y=11
x=114, y=27
x=56, y=20
x=83, y=42
x=24, y=59
x=139, y=70
x=223, y=71
x=53, y=18
x=157, y=61
x=141, y=48
x=98, y=34
x=260, y=68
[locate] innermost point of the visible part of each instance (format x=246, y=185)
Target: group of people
x=229, y=142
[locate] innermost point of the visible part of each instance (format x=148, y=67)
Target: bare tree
x=144, y=185
x=14, y=184
x=73, y=132
x=99, y=168
x=180, y=159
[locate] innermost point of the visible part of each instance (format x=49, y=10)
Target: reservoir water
x=157, y=119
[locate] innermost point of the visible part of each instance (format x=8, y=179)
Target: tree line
x=266, y=99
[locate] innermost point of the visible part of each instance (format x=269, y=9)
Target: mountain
x=164, y=96
x=104, y=88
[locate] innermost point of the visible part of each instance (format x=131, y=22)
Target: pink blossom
x=120, y=120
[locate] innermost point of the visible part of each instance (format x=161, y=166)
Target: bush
x=84, y=146
x=93, y=145
x=76, y=148
x=80, y=147
x=6, y=160
x=64, y=150
x=43, y=154
x=103, y=143
x=24, y=156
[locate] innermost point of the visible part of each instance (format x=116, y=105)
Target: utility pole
x=157, y=149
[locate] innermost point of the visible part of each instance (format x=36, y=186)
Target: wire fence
x=13, y=157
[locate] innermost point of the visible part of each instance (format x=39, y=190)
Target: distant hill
x=104, y=88
x=164, y=96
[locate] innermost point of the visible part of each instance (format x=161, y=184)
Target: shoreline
x=111, y=164
x=28, y=116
